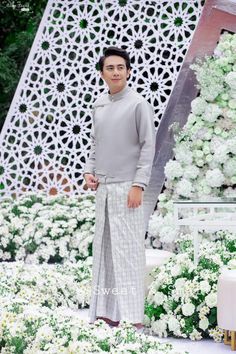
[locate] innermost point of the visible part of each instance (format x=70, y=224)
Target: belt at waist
x=107, y=179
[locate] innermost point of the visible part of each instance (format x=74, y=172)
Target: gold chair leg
x=226, y=337
x=233, y=340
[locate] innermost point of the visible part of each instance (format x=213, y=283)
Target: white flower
x=173, y=169
x=232, y=145
x=188, y=309
x=179, y=284
x=198, y=106
x=229, y=167
x=230, y=79
x=184, y=188
x=176, y=270
x=215, y=178
x=181, y=156
x=159, y=298
x=212, y=112
x=232, y=264
x=211, y=300
x=204, y=286
x=195, y=335
x=191, y=172
x=203, y=324
x=221, y=155
x=173, y=324
x=168, y=233
x=159, y=327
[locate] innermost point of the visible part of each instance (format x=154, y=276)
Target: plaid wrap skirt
x=118, y=256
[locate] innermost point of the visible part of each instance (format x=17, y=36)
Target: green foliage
x=19, y=21
x=152, y=311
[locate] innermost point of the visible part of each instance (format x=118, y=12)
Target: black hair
x=114, y=51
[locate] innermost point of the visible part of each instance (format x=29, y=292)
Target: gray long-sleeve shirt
x=122, y=138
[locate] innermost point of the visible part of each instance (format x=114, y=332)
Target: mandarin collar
x=117, y=96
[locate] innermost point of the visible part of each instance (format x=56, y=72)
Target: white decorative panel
x=45, y=139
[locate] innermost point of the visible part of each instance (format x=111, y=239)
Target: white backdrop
x=45, y=139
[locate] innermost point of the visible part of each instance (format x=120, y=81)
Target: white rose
x=188, y=309
x=211, y=300
x=159, y=327
x=159, y=298
x=204, y=286
x=232, y=264
x=180, y=282
x=173, y=324
x=203, y=324
x=175, y=271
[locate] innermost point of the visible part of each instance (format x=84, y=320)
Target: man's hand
x=135, y=197
x=91, y=181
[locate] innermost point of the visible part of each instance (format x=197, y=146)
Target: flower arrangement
x=49, y=285
x=182, y=298
x=205, y=151
x=38, y=228
x=27, y=328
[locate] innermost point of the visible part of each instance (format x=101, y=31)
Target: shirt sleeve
x=141, y=185
x=146, y=133
x=91, y=159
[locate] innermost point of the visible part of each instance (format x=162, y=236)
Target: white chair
x=226, y=309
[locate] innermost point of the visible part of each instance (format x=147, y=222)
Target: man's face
x=115, y=73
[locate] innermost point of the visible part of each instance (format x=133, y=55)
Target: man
x=119, y=168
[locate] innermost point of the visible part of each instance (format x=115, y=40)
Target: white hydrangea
x=191, y=172
x=181, y=156
x=184, y=188
x=229, y=167
x=230, y=192
x=212, y=112
x=173, y=169
x=168, y=233
x=163, y=227
x=198, y=106
x=209, y=93
x=232, y=145
x=215, y=178
x=155, y=223
x=188, y=309
x=230, y=79
x=232, y=103
x=231, y=114
x=221, y=155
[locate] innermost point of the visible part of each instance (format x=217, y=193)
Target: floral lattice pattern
x=45, y=140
